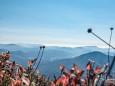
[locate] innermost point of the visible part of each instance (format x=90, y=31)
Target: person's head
x=13, y=63
x=74, y=65
x=72, y=70
x=8, y=52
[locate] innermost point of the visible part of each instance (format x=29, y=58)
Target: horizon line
x=58, y=45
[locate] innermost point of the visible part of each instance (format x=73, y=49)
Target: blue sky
x=56, y=22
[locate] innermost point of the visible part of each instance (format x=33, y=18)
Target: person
x=90, y=74
x=63, y=80
x=17, y=82
x=72, y=78
x=97, y=72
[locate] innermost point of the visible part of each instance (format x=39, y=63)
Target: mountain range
x=99, y=59
x=54, y=56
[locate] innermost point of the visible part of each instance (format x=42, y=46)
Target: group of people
x=93, y=76
x=13, y=74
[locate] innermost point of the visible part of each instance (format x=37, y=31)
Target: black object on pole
x=109, y=45
x=90, y=31
x=113, y=61
x=111, y=66
x=41, y=55
x=39, y=59
x=42, y=51
x=37, y=56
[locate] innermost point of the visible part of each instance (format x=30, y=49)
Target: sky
x=56, y=22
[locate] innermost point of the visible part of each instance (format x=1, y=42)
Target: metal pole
x=90, y=31
x=39, y=60
x=37, y=56
x=109, y=45
x=113, y=61
x=111, y=66
x=37, y=65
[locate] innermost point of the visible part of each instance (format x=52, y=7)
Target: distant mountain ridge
x=99, y=58
x=51, y=53
x=54, y=56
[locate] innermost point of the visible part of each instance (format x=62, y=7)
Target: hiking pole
x=40, y=59
x=41, y=56
x=109, y=45
x=90, y=31
x=55, y=78
x=42, y=47
x=37, y=57
x=111, y=66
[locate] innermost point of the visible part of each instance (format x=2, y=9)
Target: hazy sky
x=56, y=22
